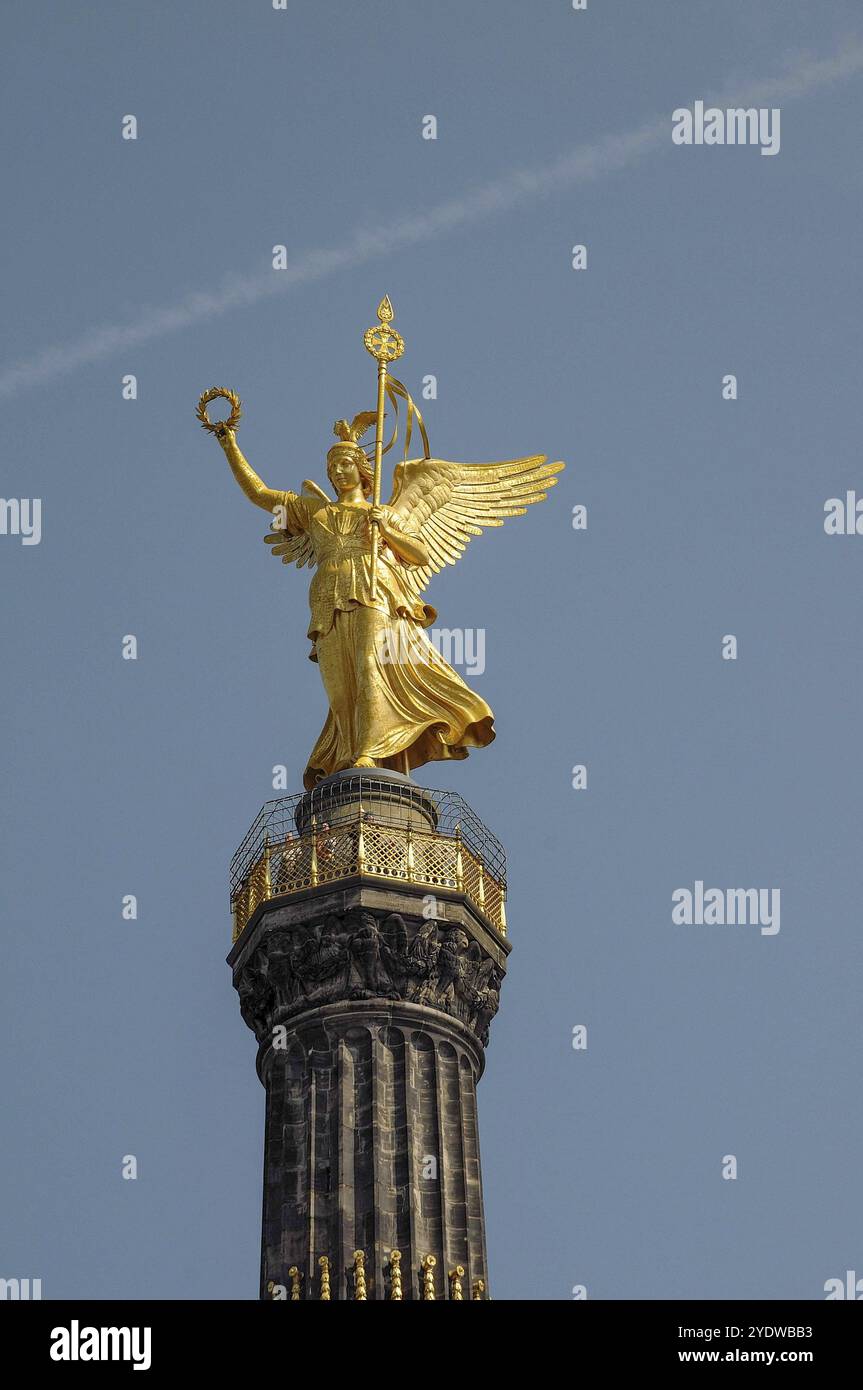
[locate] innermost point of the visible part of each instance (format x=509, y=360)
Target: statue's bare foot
x=365, y=762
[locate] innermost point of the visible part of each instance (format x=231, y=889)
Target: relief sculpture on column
x=361, y=954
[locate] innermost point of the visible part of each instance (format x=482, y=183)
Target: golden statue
x=394, y=701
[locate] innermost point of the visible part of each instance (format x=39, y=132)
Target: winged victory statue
x=394, y=702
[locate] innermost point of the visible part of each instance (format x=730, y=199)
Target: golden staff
x=385, y=344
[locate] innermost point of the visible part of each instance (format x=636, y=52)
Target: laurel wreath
x=236, y=409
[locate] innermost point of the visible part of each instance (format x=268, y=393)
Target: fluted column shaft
x=372, y=1145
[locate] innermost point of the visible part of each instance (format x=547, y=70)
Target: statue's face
x=343, y=473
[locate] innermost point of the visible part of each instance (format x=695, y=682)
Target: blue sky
x=603, y=647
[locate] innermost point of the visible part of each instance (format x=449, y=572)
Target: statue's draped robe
x=390, y=691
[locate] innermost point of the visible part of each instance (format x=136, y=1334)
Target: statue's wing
x=293, y=550
x=445, y=504
x=296, y=550
x=311, y=489
x=361, y=422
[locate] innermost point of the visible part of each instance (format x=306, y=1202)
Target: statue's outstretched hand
x=222, y=432
x=379, y=515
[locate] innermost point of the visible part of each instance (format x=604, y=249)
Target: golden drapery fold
x=392, y=696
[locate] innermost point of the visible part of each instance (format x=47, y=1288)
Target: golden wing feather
x=361, y=422
x=296, y=550
x=293, y=550
x=447, y=504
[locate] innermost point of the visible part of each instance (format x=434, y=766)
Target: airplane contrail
x=585, y=162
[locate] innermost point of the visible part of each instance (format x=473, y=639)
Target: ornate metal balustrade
x=359, y=827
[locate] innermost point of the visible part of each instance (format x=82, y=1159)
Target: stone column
x=372, y=1017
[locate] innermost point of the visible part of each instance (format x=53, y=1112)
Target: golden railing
x=429, y=859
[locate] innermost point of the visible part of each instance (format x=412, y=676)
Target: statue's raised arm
x=225, y=432
x=255, y=489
